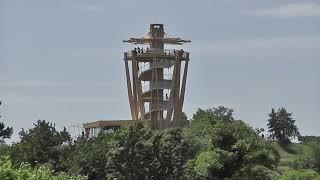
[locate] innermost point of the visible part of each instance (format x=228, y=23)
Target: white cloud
x=291, y=10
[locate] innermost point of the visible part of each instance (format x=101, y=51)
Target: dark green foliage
x=234, y=150
x=303, y=174
x=306, y=139
x=41, y=144
x=203, y=119
x=134, y=152
x=211, y=114
x=281, y=126
x=4, y=149
x=213, y=146
x=89, y=156
x=5, y=132
x=140, y=153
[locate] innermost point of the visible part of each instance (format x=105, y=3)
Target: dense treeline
x=212, y=145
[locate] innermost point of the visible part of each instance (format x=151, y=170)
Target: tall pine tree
x=281, y=126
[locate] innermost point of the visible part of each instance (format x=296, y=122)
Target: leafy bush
x=26, y=171
x=303, y=174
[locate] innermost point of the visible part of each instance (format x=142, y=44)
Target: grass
x=290, y=154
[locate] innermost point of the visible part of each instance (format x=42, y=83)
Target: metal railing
x=156, y=52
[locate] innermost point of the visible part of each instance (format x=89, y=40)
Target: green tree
x=40, y=144
x=139, y=153
x=213, y=114
x=235, y=151
x=204, y=118
x=223, y=113
x=281, y=126
x=89, y=156
x=5, y=132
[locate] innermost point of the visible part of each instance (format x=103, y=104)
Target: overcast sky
x=62, y=60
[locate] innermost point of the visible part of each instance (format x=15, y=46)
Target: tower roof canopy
x=150, y=37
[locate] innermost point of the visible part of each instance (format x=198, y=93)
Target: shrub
x=26, y=171
x=303, y=174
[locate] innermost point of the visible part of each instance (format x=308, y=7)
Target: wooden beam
x=177, y=91
x=172, y=90
x=134, y=87
x=183, y=86
x=129, y=89
x=139, y=91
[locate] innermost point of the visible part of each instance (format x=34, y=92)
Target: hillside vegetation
x=213, y=145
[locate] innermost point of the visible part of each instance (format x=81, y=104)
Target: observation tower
x=156, y=78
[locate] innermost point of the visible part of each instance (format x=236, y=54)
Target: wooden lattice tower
x=155, y=87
